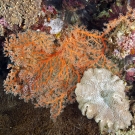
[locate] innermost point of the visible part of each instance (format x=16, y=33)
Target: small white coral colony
x=56, y=25
x=101, y=96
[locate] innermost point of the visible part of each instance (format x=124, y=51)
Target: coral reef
x=48, y=20
x=120, y=37
x=120, y=34
x=19, y=12
x=101, y=96
x=125, y=43
x=46, y=71
x=50, y=48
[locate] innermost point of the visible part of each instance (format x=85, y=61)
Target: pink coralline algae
x=125, y=44
x=3, y=22
x=130, y=75
x=49, y=9
x=130, y=68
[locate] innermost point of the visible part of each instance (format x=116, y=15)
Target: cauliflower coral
x=101, y=96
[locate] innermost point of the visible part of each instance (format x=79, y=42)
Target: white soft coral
x=101, y=96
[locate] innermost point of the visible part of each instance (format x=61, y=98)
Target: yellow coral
x=17, y=12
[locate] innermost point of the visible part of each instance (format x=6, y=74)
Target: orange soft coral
x=47, y=73
x=85, y=49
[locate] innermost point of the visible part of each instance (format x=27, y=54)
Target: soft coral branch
x=49, y=73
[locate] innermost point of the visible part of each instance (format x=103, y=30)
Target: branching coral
x=101, y=96
x=17, y=12
x=86, y=49
x=46, y=72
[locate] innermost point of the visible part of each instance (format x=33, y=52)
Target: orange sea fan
x=38, y=72
x=21, y=48
x=46, y=73
x=85, y=49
